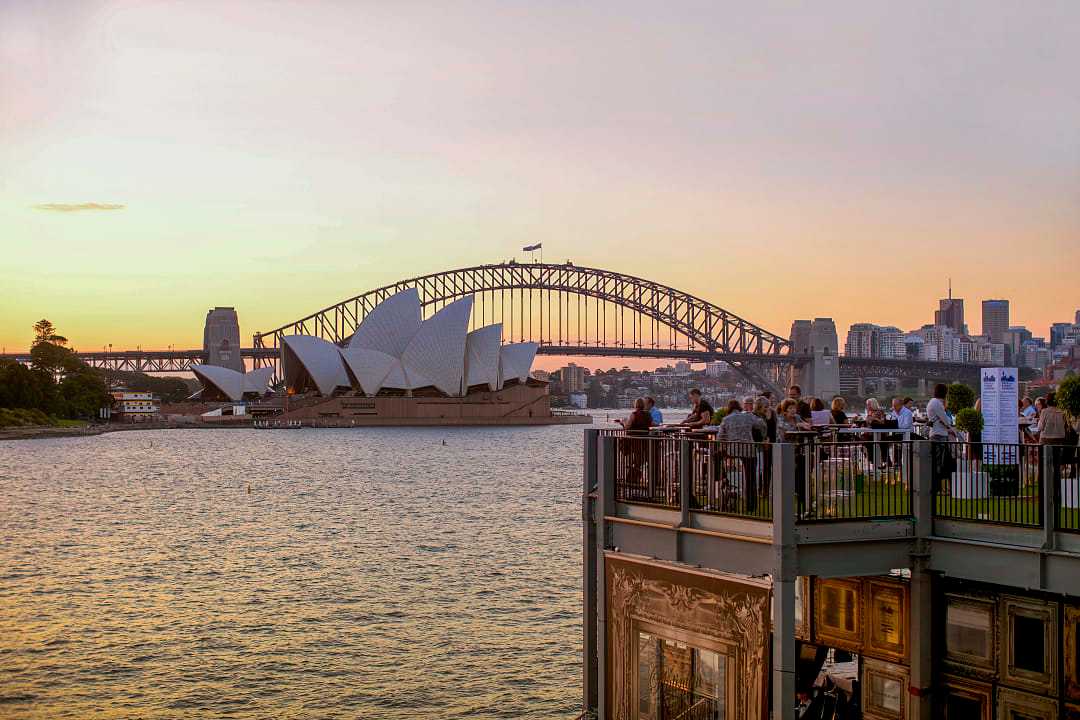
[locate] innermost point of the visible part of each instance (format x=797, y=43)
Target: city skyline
x=154, y=165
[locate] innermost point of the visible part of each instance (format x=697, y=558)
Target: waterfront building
x=134, y=406
x=995, y=319
x=715, y=368
x=700, y=604
x=573, y=378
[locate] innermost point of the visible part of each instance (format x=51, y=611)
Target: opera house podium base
x=524, y=404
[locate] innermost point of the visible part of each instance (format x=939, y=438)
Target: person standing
x=738, y=430
x=654, y=412
x=802, y=407
x=639, y=419
x=1051, y=430
x=941, y=429
x=635, y=451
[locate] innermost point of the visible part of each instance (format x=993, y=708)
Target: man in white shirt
x=902, y=414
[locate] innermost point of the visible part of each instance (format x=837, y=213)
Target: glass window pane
x=962, y=708
x=967, y=631
x=885, y=693
x=1029, y=644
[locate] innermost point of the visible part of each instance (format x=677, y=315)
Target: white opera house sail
x=395, y=351
x=228, y=384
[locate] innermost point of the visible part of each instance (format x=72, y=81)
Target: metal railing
x=731, y=478
x=1000, y=483
x=1063, y=465
x=863, y=479
x=857, y=480
x=647, y=469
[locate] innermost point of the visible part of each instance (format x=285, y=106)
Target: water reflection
x=375, y=573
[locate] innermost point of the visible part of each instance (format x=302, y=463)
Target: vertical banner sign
x=999, y=408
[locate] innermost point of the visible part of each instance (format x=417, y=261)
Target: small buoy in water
x=249, y=488
x=443, y=442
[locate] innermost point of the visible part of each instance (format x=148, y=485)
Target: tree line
x=56, y=383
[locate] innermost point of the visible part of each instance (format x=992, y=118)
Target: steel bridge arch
x=706, y=331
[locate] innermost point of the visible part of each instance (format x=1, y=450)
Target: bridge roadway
x=172, y=361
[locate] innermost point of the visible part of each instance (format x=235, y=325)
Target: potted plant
x=959, y=397
x=969, y=420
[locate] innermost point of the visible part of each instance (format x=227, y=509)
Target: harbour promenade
x=832, y=550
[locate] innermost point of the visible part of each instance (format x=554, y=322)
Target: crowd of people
x=760, y=418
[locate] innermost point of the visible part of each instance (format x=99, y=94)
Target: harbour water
x=379, y=573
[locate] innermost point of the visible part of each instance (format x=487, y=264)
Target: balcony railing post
x=591, y=665
x=605, y=506
x=785, y=572
x=686, y=459
x=1048, y=488
x=922, y=488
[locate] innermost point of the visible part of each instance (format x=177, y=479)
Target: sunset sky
x=782, y=160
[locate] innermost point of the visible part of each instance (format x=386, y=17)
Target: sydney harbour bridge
x=570, y=311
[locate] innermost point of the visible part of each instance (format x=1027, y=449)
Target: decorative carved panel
x=838, y=613
x=732, y=614
x=1017, y=705
x=802, y=608
x=971, y=634
x=1029, y=650
x=886, y=634
x=1072, y=652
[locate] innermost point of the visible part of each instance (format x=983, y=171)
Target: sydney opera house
x=399, y=367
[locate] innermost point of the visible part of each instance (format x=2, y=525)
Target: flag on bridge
x=530, y=248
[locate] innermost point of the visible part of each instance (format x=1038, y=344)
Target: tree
x=45, y=331
x=83, y=393
x=1068, y=396
x=959, y=396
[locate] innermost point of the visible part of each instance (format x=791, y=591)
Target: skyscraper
x=950, y=312
x=995, y=319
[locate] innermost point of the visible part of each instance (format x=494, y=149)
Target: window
x=1029, y=644
x=1029, y=648
x=885, y=687
x=965, y=699
x=678, y=680
x=969, y=632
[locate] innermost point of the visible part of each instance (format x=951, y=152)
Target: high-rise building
x=860, y=340
x=573, y=378
x=950, y=312
x=866, y=340
x=995, y=319
x=891, y=343
x=1057, y=333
